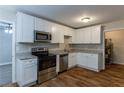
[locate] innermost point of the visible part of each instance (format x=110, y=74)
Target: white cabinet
x=25, y=28
x=73, y=38
x=42, y=25
x=67, y=31
x=89, y=35
x=92, y=61
x=72, y=59
x=82, y=59
x=79, y=36
x=26, y=71
x=96, y=34
x=82, y=36
x=85, y=60
x=48, y=27
x=89, y=61
x=26, y=25
x=39, y=24
x=57, y=34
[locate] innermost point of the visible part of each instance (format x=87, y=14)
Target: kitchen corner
x=48, y=49
x=58, y=46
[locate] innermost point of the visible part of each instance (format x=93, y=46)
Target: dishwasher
x=63, y=62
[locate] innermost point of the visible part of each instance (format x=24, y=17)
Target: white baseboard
x=119, y=63
x=96, y=70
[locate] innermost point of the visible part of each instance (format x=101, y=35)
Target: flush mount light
x=85, y=20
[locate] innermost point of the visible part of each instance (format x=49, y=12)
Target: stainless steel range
x=46, y=64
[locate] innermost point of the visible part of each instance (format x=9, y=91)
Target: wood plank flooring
x=113, y=76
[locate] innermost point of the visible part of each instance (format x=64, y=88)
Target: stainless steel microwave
x=42, y=36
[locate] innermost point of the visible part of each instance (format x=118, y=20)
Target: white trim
x=88, y=68
x=13, y=56
x=3, y=64
x=103, y=50
x=119, y=63
x=13, y=49
x=109, y=30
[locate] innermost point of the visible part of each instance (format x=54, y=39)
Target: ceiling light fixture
x=85, y=20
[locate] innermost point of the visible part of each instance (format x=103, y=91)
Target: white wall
x=7, y=15
x=116, y=25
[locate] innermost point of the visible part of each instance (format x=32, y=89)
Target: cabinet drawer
x=29, y=62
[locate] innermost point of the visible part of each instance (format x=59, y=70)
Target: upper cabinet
x=42, y=25
x=25, y=28
x=78, y=36
x=57, y=34
x=39, y=24
x=96, y=34
x=89, y=35
x=67, y=31
x=26, y=25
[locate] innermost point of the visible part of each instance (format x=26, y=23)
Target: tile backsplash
x=26, y=47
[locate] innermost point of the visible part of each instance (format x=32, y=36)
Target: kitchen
x=44, y=49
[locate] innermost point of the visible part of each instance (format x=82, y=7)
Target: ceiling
x=70, y=15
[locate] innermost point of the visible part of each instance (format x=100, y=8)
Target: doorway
x=114, y=47
x=7, y=54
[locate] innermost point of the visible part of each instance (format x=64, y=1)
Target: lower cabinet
x=92, y=60
x=82, y=59
x=85, y=60
x=26, y=72
x=72, y=59
x=88, y=60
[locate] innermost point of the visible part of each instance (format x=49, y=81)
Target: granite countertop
x=94, y=51
x=59, y=52
x=23, y=56
x=81, y=50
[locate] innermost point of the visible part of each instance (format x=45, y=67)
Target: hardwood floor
x=113, y=76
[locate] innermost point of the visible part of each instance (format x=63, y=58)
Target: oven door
x=42, y=36
x=46, y=62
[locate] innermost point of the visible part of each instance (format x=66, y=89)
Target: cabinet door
x=57, y=34
x=82, y=59
x=73, y=37
x=67, y=31
x=29, y=74
x=83, y=36
x=39, y=24
x=25, y=28
x=87, y=35
x=55, y=37
x=72, y=60
x=48, y=26
x=28, y=28
x=92, y=61
x=96, y=34
x=61, y=36
x=79, y=36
